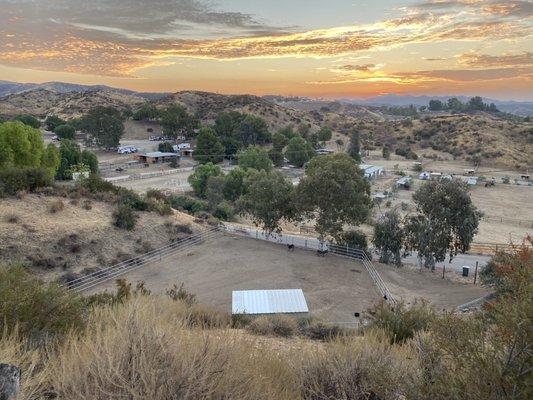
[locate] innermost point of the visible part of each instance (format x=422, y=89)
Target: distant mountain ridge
x=523, y=108
x=8, y=88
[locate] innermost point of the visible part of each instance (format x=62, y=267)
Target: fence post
x=306, y=243
x=475, y=272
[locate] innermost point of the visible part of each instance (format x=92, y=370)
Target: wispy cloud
x=473, y=59
x=117, y=38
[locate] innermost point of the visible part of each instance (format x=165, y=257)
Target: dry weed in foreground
x=144, y=350
x=16, y=351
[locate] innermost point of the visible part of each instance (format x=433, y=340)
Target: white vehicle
x=127, y=149
x=181, y=146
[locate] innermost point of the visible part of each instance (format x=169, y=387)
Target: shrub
x=355, y=369
x=201, y=316
x=124, y=217
x=13, y=180
x=399, y=322
x=56, y=206
x=275, y=325
x=132, y=199
x=35, y=308
x=317, y=330
x=95, y=184
x=180, y=294
x=224, y=211
x=188, y=204
x=87, y=204
x=239, y=321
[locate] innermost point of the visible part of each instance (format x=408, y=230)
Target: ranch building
x=268, y=302
x=155, y=157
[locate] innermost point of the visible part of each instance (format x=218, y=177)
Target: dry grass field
x=334, y=287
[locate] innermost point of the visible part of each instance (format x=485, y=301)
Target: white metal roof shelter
x=280, y=301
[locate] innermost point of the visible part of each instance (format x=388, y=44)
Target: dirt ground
x=334, y=287
x=409, y=284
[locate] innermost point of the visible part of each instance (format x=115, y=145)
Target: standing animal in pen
x=290, y=247
x=9, y=381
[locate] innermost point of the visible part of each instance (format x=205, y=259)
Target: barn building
x=155, y=157
x=268, y=302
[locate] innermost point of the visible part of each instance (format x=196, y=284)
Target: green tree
x=105, y=125
x=476, y=104
x=299, y=151
x=389, y=237
x=324, y=134
x=214, y=192
x=454, y=104
x=175, y=120
x=288, y=132
x=446, y=223
x=29, y=120
x=235, y=185
x=65, y=131
x=386, y=152
x=280, y=140
x=208, y=147
x=51, y=159
x=436, y=105
x=303, y=130
x=147, y=111
x=276, y=156
x=20, y=145
x=355, y=239
x=253, y=130
x=334, y=192
x=256, y=158
x=52, y=122
x=227, y=123
x=354, y=147
x=70, y=156
x=165, y=147
x=89, y=158
x=268, y=199
x=198, y=179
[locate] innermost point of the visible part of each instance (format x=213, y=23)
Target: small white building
x=372, y=171
x=404, y=181
x=424, y=176
x=265, y=302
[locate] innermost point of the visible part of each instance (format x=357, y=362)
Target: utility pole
x=475, y=272
x=443, y=270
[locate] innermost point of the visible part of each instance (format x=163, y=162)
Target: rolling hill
x=478, y=137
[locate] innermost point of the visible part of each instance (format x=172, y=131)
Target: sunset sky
x=334, y=48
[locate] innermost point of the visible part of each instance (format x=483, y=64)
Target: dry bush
x=275, y=325
x=356, y=368
x=143, y=350
x=12, y=218
x=86, y=204
x=205, y=317
x=56, y=206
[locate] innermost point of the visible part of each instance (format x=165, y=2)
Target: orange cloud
x=504, y=60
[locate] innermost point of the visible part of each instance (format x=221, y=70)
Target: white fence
x=147, y=175
x=315, y=244
x=105, y=274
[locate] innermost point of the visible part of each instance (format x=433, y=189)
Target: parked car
x=127, y=149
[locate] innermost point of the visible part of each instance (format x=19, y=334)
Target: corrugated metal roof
x=159, y=154
x=268, y=301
